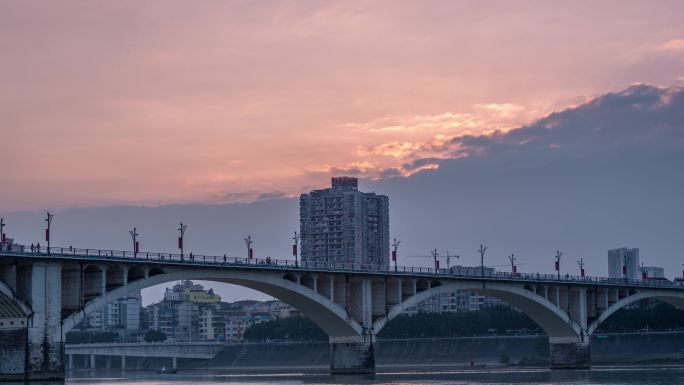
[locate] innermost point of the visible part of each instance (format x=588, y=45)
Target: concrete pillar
x=45, y=358
x=351, y=357
x=568, y=354
x=71, y=362
x=108, y=363
x=332, y=288
x=315, y=283
x=103, y=289
x=123, y=363
x=92, y=361
x=174, y=363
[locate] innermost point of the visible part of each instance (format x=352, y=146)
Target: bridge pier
x=569, y=354
x=351, y=357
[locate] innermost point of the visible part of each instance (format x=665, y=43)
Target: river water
x=642, y=375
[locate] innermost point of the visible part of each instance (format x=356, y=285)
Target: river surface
x=642, y=375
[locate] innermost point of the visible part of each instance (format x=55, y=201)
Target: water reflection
x=654, y=375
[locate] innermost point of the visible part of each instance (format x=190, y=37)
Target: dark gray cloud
x=605, y=174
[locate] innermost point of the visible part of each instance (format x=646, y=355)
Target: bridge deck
x=272, y=264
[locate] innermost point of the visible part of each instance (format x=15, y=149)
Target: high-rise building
x=344, y=225
x=624, y=258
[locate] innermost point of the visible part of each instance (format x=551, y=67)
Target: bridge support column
x=92, y=362
x=174, y=363
x=566, y=354
x=351, y=356
x=45, y=356
x=123, y=363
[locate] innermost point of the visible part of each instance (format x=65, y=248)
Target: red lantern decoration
x=557, y=266
x=137, y=246
x=624, y=270
x=251, y=253
x=515, y=269
x=437, y=264
x=582, y=272
x=47, y=235
x=294, y=250
x=180, y=242
x=394, y=255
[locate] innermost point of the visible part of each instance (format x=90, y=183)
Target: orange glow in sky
x=169, y=102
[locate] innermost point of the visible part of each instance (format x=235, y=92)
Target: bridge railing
x=288, y=264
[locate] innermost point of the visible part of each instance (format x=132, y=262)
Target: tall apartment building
x=341, y=224
x=619, y=258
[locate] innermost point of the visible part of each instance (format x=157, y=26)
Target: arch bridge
x=43, y=294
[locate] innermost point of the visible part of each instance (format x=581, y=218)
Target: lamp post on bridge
x=248, y=243
x=395, y=248
x=181, y=229
x=558, y=258
x=514, y=269
x=3, y=239
x=136, y=244
x=294, y=248
x=581, y=266
x=482, y=251
x=48, y=219
x=435, y=256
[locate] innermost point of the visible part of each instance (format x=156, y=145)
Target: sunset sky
x=157, y=102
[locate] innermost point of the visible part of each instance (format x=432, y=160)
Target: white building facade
x=624, y=258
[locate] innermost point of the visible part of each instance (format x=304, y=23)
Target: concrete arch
x=332, y=318
x=8, y=298
x=675, y=298
x=555, y=322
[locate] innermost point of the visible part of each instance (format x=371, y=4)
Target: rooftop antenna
x=395, y=248
x=248, y=243
x=581, y=266
x=512, y=258
x=558, y=258
x=482, y=251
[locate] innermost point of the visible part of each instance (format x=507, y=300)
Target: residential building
x=343, y=225
x=652, y=272
x=624, y=263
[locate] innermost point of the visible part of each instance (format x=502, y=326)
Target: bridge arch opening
x=555, y=322
x=93, y=282
x=115, y=277
x=135, y=273
x=155, y=271
x=674, y=298
x=330, y=317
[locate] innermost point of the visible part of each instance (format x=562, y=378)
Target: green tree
x=155, y=336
